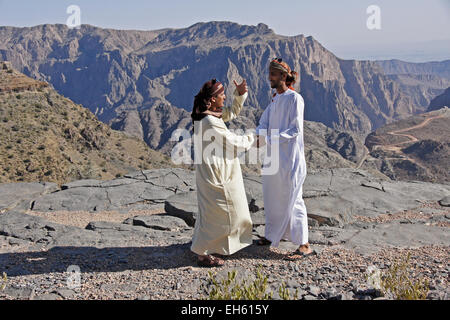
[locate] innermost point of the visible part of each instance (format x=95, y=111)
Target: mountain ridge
x=126, y=76
x=45, y=136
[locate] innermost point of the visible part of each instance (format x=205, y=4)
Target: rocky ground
x=130, y=237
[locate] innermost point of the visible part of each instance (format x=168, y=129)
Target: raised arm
x=239, y=97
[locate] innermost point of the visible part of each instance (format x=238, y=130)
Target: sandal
x=263, y=242
x=297, y=254
x=210, y=261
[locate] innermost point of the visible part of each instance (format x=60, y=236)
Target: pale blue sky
x=338, y=25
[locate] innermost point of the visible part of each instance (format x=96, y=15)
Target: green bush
x=230, y=289
x=4, y=281
x=397, y=282
x=285, y=294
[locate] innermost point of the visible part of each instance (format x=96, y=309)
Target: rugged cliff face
x=440, y=101
x=112, y=72
x=436, y=68
x=421, y=82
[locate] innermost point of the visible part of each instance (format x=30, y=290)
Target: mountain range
x=143, y=82
x=113, y=72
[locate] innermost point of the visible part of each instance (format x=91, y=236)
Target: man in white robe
x=285, y=210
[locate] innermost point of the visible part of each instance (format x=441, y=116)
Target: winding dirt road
x=396, y=147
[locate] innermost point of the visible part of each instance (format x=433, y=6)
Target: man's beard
x=274, y=85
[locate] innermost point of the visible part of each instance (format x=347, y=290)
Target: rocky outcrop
x=140, y=190
x=12, y=81
x=440, y=101
x=334, y=200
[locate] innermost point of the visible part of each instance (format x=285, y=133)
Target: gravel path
x=149, y=273
x=422, y=212
x=166, y=269
x=82, y=218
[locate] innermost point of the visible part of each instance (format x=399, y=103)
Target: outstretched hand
x=241, y=88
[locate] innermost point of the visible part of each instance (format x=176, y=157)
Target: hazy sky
x=406, y=25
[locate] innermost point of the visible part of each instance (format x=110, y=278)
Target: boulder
x=159, y=222
x=21, y=195
x=445, y=202
x=184, y=206
x=397, y=234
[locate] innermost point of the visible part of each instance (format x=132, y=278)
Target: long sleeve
x=230, y=113
x=263, y=123
x=295, y=126
x=230, y=139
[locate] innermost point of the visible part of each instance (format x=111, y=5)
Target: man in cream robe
x=285, y=210
x=223, y=224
